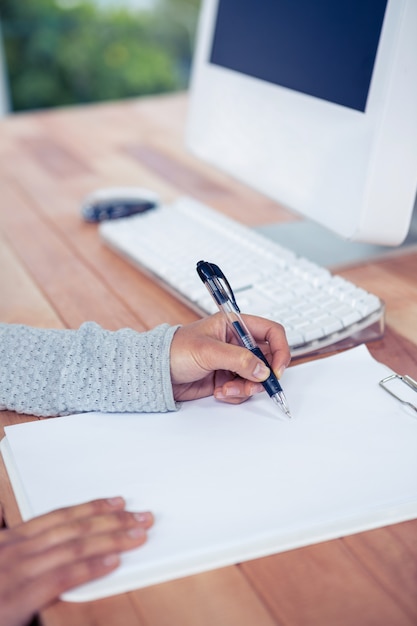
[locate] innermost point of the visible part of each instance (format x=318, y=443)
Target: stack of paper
x=229, y=483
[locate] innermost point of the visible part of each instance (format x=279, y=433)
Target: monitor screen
x=315, y=105
x=303, y=45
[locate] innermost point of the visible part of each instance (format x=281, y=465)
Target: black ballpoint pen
x=221, y=292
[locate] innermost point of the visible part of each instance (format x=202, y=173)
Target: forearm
x=56, y=372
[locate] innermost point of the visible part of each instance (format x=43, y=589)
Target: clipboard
x=229, y=483
x=403, y=388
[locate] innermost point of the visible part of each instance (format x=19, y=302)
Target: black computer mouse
x=110, y=203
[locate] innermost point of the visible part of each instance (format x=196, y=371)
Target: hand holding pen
x=206, y=359
x=219, y=288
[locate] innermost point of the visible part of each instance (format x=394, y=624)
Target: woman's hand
x=42, y=558
x=206, y=360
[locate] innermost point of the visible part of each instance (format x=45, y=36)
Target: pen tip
x=280, y=400
x=286, y=410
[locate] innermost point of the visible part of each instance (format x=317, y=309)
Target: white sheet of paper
x=230, y=483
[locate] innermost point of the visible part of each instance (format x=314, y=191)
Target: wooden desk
x=55, y=272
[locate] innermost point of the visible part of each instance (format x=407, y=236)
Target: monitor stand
x=310, y=240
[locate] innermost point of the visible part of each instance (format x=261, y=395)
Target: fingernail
x=136, y=533
x=255, y=388
x=227, y=391
x=111, y=560
x=261, y=371
x=117, y=501
x=143, y=516
x=280, y=372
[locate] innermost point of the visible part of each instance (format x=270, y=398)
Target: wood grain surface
x=55, y=272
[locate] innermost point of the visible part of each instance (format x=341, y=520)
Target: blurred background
x=64, y=52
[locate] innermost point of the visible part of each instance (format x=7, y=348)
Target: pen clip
x=217, y=283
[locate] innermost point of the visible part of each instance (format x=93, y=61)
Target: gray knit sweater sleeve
x=57, y=372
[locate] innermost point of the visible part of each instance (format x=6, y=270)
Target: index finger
x=68, y=514
x=273, y=333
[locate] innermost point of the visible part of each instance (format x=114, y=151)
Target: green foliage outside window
x=62, y=52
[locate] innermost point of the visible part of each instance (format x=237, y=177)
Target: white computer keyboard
x=316, y=308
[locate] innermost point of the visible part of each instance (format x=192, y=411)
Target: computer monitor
x=313, y=103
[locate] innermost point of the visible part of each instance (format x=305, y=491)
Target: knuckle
x=98, y=507
x=248, y=360
x=63, y=578
x=124, y=518
x=78, y=548
x=83, y=526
